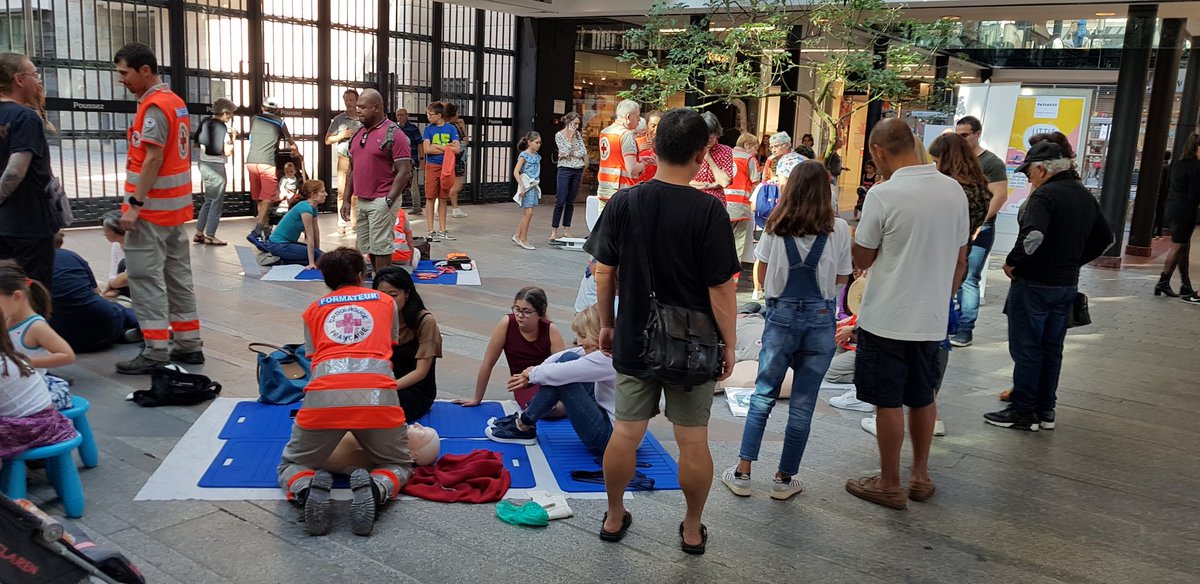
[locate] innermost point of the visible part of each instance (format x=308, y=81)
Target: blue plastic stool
x=77, y=413
x=60, y=467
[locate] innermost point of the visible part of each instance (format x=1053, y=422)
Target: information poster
x=1039, y=114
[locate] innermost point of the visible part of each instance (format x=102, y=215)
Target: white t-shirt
x=918, y=221
x=835, y=260
x=22, y=397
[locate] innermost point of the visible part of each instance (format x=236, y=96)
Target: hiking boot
x=317, y=507
x=962, y=339
x=783, y=489
x=368, y=501
x=1010, y=418
x=867, y=489
x=1046, y=419
x=511, y=434
x=738, y=483
x=191, y=358
x=140, y=365
x=921, y=491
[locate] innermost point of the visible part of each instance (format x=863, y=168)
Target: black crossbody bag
x=682, y=346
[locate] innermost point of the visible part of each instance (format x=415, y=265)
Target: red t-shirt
x=723, y=156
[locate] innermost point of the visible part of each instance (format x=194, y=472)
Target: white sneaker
x=868, y=424
x=738, y=485
x=850, y=401
x=939, y=428
x=458, y=213
x=756, y=295
x=782, y=491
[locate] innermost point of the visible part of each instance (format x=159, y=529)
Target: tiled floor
x=1110, y=496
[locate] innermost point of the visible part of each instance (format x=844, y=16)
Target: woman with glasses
x=526, y=337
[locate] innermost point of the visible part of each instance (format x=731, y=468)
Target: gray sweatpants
x=159, y=263
x=309, y=450
x=841, y=369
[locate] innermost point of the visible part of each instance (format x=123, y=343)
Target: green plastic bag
x=530, y=514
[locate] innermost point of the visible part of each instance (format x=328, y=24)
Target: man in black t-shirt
x=27, y=223
x=688, y=240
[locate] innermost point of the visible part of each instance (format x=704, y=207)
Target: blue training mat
x=565, y=452
x=455, y=421
x=252, y=420
x=245, y=464
x=516, y=458
x=310, y=274
x=427, y=266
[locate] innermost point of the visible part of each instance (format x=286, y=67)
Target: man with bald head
x=380, y=168
x=914, y=236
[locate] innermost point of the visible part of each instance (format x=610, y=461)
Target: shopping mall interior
x=1108, y=496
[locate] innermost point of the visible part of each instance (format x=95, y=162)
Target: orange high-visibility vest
x=642, y=142
x=737, y=194
x=169, y=201
x=401, y=246
x=352, y=386
x=612, y=175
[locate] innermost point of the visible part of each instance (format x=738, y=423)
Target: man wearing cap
x=266, y=130
x=1061, y=228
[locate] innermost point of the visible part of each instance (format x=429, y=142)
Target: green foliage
x=740, y=49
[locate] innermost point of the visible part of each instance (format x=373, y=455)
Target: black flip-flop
x=615, y=536
x=695, y=550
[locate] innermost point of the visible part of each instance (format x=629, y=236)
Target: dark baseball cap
x=1041, y=152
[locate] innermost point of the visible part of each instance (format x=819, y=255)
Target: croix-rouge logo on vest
x=348, y=325
x=182, y=138
x=604, y=148
x=136, y=139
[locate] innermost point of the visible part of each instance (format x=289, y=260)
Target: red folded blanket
x=477, y=477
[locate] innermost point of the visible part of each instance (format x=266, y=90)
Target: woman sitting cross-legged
x=581, y=378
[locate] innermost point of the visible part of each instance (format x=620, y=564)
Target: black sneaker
x=317, y=508
x=962, y=339
x=1046, y=419
x=192, y=358
x=140, y=365
x=1010, y=418
x=369, y=499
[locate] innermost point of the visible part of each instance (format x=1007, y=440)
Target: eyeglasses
x=36, y=75
x=525, y=312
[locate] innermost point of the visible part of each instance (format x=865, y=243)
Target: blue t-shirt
x=533, y=165
x=441, y=135
x=292, y=224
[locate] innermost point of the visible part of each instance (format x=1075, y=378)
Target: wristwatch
x=135, y=202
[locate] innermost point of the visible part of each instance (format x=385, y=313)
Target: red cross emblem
x=348, y=323
x=604, y=148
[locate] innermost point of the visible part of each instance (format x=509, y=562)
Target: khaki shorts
x=376, y=228
x=637, y=401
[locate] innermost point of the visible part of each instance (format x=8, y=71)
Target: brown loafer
x=921, y=491
x=867, y=489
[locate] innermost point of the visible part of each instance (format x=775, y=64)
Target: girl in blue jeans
x=800, y=319
x=301, y=219
x=581, y=378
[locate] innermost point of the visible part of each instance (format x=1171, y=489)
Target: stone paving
x=1109, y=496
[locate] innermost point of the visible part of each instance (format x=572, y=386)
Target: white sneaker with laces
x=850, y=401
x=784, y=490
x=458, y=213
x=939, y=428
x=740, y=486
x=868, y=424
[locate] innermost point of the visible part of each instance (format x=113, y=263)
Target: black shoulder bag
x=682, y=345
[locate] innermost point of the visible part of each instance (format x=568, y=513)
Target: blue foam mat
x=516, y=458
x=252, y=420
x=245, y=464
x=565, y=452
x=310, y=274
x=455, y=421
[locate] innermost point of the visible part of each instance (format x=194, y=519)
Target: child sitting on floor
x=404, y=253
x=26, y=303
x=28, y=418
x=581, y=378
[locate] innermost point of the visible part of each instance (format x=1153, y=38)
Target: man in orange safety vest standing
x=619, y=166
x=158, y=201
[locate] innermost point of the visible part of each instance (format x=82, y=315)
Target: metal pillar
x=435, y=54
x=875, y=107
x=1158, y=125
x=790, y=82
x=383, y=45
x=255, y=52
x=324, y=101
x=477, y=107
x=1127, y=119
x=177, y=43
x=1189, y=103
x=941, y=70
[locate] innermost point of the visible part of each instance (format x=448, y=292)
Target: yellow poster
x=1039, y=114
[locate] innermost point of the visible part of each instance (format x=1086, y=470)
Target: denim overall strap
x=802, y=275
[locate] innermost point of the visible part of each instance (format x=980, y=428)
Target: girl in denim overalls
x=801, y=313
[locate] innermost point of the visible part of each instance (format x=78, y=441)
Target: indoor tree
x=733, y=50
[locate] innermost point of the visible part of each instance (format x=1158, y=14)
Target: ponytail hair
x=13, y=279
x=307, y=189
x=9, y=353
x=523, y=143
